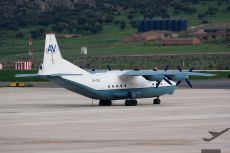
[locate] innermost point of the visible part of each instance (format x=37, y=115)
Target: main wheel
x=130, y=102
x=105, y=103
x=156, y=101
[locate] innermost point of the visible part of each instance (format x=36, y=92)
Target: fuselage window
x=153, y=84
x=117, y=86
x=112, y=86
x=108, y=86
x=121, y=86
x=125, y=85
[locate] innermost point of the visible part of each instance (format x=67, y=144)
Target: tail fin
x=53, y=62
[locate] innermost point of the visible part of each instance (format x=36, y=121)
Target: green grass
x=106, y=44
x=219, y=17
x=9, y=75
x=218, y=75
x=109, y=42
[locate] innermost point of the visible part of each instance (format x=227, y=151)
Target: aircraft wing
x=154, y=75
x=40, y=75
x=166, y=73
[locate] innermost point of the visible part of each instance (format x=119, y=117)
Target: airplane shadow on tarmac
x=76, y=105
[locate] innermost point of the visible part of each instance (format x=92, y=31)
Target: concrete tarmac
x=54, y=120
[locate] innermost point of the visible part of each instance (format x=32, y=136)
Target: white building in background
x=83, y=50
x=1, y=66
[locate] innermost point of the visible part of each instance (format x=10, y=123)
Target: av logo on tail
x=51, y=49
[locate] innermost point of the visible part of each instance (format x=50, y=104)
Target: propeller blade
x=166, y=80
x=158, y=83
x=109, y=67
x=179, y=68
x=166, y=67
x=189, y=83
x=190, y=70
x=178, y=83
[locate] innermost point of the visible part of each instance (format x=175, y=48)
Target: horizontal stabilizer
x=39, y=75
x=64, y=74
x=26, y=75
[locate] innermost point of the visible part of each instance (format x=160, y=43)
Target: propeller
x=166, y=67
x=165, y=78
x=109, y=67
x=187, y=81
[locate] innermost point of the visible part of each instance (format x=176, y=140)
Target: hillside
x=102, y=24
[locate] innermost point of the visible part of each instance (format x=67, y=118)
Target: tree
x=35, y=33
x=130, y=16
x=60, y=27
x=212, y=11
x=122, y=26
x=200, y=16
x=19, y=34
x=133, y=23
x=109, y=19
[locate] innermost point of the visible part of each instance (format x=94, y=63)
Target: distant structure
x=83, y=50
x=30, y=49
x=26, y=65
x=23, y=65
x=212, y=29
x=1, y=66
x=150, y=35
x=160, y=24
x=180, y=41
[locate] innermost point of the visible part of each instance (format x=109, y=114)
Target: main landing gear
x=130, y=102
x=156, y=101
x=105, y=103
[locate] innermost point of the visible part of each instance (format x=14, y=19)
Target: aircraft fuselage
x=110, y=85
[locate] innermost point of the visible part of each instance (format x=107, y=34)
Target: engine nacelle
x=154, y=77
x=179, y=77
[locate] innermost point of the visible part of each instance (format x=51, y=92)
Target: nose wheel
x=156, y=101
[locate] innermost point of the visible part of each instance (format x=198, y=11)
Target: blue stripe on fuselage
x=112, y=94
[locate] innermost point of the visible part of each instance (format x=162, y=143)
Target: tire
x=105, y=103
x=131, y=103
x=156, y=101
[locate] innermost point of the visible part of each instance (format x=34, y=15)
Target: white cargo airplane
x=110, y=84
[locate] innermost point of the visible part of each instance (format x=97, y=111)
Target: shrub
x=60, y=27
x=122, y=26
x=35, y=33
x=19, y=34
